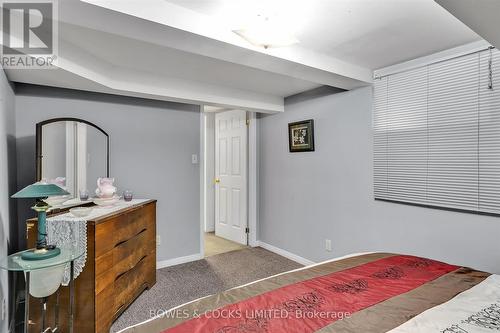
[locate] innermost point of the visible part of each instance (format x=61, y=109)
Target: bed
x=374, y=292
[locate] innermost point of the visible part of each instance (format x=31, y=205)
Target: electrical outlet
x=4, y=309
x=158, y=240
x=328, y=245
x=194, y=159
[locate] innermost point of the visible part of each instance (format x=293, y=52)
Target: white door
x=231, y=175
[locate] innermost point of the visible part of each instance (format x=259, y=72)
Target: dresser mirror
x=71, y=152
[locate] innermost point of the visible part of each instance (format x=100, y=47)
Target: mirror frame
x=39, y=155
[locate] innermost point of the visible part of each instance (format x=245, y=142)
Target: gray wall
x=306, y=198
x=151, y=143
x=7, y=182
x=96, y=162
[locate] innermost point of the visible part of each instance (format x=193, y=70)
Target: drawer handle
x=128, y=270
x=119, y=309
x=137, y=234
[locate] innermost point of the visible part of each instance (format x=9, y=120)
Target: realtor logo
x=29, y=34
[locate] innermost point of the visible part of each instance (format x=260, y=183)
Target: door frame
x=207, y=155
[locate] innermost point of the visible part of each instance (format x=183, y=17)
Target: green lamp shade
x=40, y=191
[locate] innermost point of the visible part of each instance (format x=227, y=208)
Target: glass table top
x=14, y=262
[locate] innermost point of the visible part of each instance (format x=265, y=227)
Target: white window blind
x=489, y=134
x=437, y=134
x=453, y=113
x=407, y=136
x=380, y=138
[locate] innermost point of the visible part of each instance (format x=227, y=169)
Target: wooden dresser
x=121, y=264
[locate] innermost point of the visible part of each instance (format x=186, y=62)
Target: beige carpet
x=179, y=284
x=217, y=245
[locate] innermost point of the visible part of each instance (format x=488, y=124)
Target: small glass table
x=14, y=263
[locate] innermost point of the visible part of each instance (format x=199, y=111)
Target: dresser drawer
x=130, y=225
x=127, y=254
x=131, y=283
x=121, y=228
x=123, y=257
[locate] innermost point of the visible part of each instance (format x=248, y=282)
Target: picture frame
x=301, y=136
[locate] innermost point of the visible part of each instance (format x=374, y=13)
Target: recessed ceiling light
x=266, y=33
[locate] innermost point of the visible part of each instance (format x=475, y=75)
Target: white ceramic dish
x=57, y=200
x=104, y=202
x=81, y=211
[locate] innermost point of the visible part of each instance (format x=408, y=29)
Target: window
x=437, y=134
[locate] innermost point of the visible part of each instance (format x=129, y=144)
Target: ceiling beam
x=79, y=69
x=165, y=24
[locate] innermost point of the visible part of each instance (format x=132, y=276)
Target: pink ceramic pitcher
x=105, y=188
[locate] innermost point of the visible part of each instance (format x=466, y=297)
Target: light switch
x=194, y=159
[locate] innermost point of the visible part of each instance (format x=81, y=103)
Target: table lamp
x=41, y=191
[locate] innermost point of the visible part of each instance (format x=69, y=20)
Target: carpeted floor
x=179, y=284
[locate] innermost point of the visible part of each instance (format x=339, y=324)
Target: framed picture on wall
x=301, y=136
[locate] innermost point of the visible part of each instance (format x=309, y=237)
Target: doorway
x=228, y=166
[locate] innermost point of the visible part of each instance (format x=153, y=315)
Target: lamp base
x=40, y=254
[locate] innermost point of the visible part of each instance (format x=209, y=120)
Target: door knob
x=217, y=180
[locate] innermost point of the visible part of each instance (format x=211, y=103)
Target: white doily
x=69, y=232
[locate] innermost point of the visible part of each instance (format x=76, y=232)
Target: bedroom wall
x=7, y=184
x=306, y=198
x=151, y=143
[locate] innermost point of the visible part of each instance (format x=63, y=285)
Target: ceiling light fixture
x=267, y=33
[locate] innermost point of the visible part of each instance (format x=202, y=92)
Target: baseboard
x=286, y=254
x=254, y=243
x=178, y=261
x=269, y=247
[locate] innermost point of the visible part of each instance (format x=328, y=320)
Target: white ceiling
x=368, y=33
x=185, y=50
x=483, y=16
